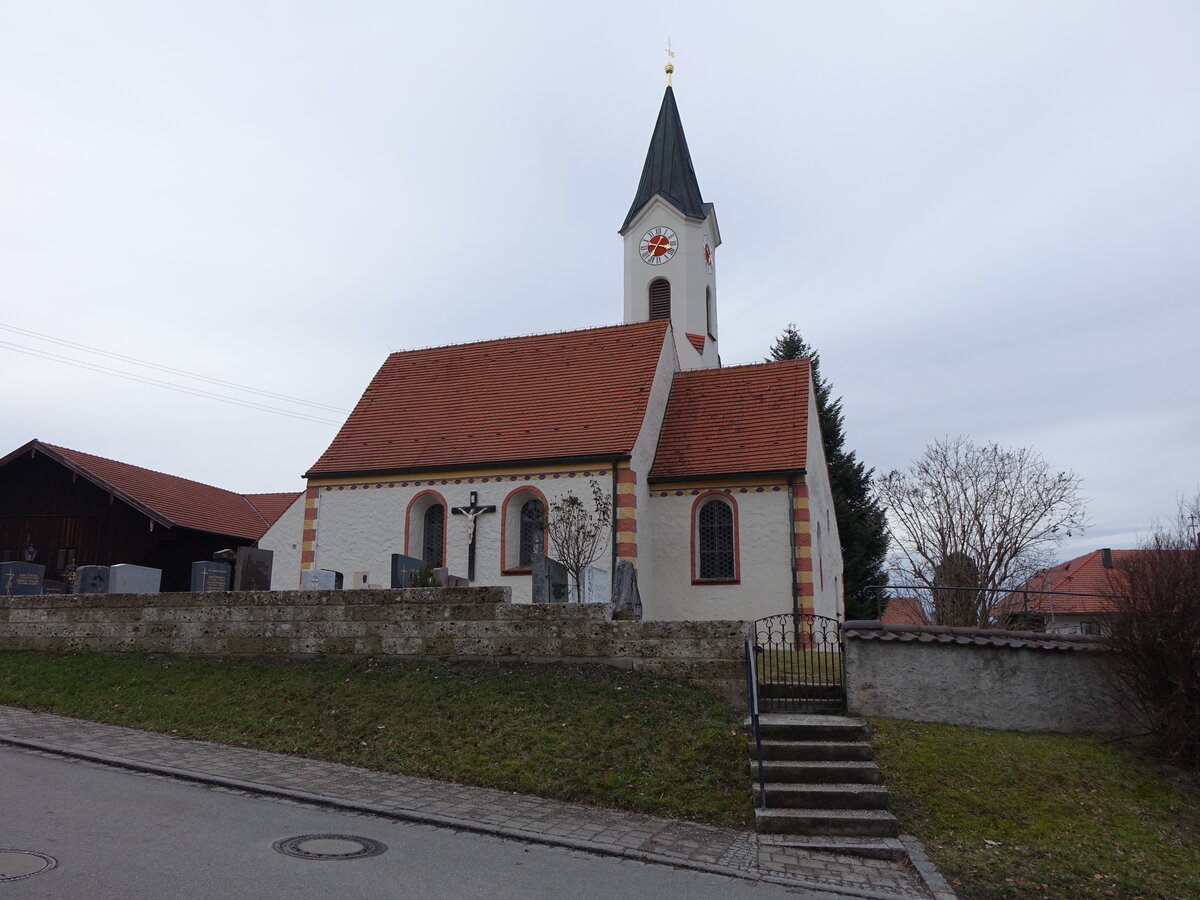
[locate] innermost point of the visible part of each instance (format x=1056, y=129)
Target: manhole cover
x=329, y=846
x=17, y=864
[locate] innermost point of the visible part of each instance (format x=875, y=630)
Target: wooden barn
x=66, y=509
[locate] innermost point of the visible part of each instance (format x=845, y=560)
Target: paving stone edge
x=516, y=834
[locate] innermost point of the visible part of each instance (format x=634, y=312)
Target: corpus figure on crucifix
x=471, y=512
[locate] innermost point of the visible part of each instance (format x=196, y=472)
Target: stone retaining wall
x=448, y=623
x=988, y=679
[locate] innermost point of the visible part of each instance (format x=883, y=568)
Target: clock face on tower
x=708, y=253
x=658, y=245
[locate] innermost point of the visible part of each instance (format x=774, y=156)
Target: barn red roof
x=171, y=500
x=549, y=396
x=740, y=419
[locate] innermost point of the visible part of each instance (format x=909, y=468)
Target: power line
x=129, y=376
x=162, y=368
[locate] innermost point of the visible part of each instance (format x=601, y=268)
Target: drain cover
x=18, y=864
x=329, y=846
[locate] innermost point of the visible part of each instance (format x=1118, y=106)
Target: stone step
x=843, y=750
x=809, y=727
x=818, y=771
x=847, y=822
x=868, y=847
x=789, y=795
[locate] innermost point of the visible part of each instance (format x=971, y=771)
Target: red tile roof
x=170, y=500
x=549, y=396
x=904, y=611
x=1084, y=581
x=697, y=341
x=737, y=420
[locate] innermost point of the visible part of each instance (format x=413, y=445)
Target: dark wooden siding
x=45, y=505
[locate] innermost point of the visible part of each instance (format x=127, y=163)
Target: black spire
x=668, y=170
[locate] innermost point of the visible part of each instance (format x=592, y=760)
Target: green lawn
x=588, y=734
x=1043, y=815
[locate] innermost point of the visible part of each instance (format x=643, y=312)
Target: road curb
x=466, y=825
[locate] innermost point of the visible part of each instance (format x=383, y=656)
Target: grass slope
x=592, y=735
x=1004, y=814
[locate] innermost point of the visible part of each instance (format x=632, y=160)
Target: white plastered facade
x=284, y=539
x=693, y=280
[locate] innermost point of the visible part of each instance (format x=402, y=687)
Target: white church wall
x=641, y=459
x=826, y=543
x=359, y=527
x=686, y=271
x=764, y=559
x=283, y=539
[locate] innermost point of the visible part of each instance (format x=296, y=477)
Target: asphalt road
x=119, y=834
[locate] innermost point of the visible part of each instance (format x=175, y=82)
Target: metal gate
x=798, y=661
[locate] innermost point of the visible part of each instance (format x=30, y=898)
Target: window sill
x=519, y=570
x=716, y=581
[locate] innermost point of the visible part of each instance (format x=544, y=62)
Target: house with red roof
x=66, y=508
x=1070, y=598
x=722, y=508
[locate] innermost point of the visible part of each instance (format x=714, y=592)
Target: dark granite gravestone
x=253, y=570
x=18, y=579
x=91, y=580
x=627, y=601
x=403, y=568
x=124, y=578
x=51, y=586
x=211, y=576
x=445, y=579
x=320, y=580
x=550, y=580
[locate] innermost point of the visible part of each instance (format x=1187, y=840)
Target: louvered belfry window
x=531, y=532
x=433, y=528
x=716, y=540
x=660, y=299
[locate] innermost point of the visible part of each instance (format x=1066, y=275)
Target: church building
x=722, y=503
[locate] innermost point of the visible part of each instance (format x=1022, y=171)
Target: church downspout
x=791, y=533
x=612, y=566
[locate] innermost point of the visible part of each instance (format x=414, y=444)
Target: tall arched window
x=660, y=299
x=714, y=519
x=433, y=549
x=425, y=528
x=532, y=513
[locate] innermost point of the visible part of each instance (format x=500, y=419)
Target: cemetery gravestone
x=550, y=580
x=358, y=580
x=211, y=576
x=627, y=601
x=50, y=586
x=19, y=579
x=403, y=568
x=253, y=570
x=128, y=579
x=595, y=585
x=91, y=580
x=320, y=580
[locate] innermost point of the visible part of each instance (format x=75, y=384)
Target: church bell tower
x=670, y=237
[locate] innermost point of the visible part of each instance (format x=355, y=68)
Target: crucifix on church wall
x=472, y=512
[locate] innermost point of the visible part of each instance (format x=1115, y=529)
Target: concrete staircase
x=824, y=792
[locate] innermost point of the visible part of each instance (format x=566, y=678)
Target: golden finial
x=670, y=66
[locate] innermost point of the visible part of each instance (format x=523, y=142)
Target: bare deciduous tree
x=577, y=534
x=1153, y=634
x=990, y=514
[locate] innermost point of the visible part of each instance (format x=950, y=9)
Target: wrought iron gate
x=798, y=660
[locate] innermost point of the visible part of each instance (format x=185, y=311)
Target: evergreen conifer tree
x=860, y=519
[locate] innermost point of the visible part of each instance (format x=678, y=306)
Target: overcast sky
x=986, y=217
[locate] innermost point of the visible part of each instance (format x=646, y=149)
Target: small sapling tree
x=578, y=533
